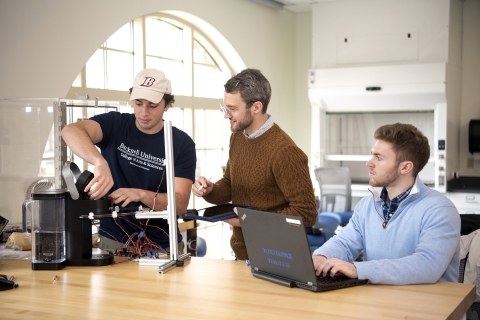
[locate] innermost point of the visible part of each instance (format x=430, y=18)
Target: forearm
x=413, y=269
x=221, y=192
x=346, y=246
x=159, y=203
x=81, y=144
x=182, y=196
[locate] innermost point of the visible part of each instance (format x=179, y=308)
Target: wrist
x=355, y=272
x=100, y=162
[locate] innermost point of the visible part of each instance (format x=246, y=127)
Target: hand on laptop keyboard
x=324, y=266
x=328, y=279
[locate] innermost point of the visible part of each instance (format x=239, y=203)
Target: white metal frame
x=403, y=87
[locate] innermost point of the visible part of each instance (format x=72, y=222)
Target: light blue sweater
x=420, y=244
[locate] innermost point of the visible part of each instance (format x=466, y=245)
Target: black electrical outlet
x=441, y=144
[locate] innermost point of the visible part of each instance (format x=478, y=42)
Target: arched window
x=194, y=65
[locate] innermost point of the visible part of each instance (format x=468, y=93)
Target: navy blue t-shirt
x=137, y=160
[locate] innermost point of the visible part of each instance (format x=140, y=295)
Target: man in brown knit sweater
x=265, y=168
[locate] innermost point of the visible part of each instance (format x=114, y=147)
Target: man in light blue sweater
x=408, y=232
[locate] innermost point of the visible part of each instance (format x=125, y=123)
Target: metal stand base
x=165, y=265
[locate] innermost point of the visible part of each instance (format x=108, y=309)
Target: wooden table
x=211, y=289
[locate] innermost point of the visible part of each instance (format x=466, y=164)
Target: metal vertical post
x=171, y=206
x=60, y=147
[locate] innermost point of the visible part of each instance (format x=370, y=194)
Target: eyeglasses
x=225, y=109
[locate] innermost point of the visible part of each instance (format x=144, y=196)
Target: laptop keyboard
x=329, y=279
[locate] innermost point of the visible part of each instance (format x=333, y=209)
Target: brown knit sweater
x=269, y=173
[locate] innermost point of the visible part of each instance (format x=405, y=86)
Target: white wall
x=303, y=58
x=380, y=22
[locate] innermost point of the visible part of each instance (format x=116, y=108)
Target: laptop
x=278, y=250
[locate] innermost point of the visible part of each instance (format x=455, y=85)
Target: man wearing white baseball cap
x=150, y=84
x=130, y=167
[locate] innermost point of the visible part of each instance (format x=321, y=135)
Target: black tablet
x=213, y=214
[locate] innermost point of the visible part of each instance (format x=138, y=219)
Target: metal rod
x=60, y=151
x=171, y=206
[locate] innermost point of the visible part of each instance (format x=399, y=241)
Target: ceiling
x=292, y=5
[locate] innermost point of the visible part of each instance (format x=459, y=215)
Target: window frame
x=185, y=100
x=139, y=56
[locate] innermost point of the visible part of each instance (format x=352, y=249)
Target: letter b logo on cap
x=148, y=82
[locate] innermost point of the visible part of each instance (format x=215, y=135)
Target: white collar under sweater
x=267, y=125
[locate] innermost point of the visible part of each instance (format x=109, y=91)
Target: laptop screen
x=277, y=244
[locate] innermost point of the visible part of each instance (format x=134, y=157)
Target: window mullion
x=105, y=67
x=116, y=50
x=164, y=58
x=188, y=61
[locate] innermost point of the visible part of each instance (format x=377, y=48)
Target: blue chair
x=335, y=191
x=201, y=247
x=324, y=229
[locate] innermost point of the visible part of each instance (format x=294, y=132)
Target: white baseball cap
x=151, y=85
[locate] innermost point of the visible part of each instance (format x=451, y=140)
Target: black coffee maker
x=78, y=231
x=48, y=229
x=59, y=236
